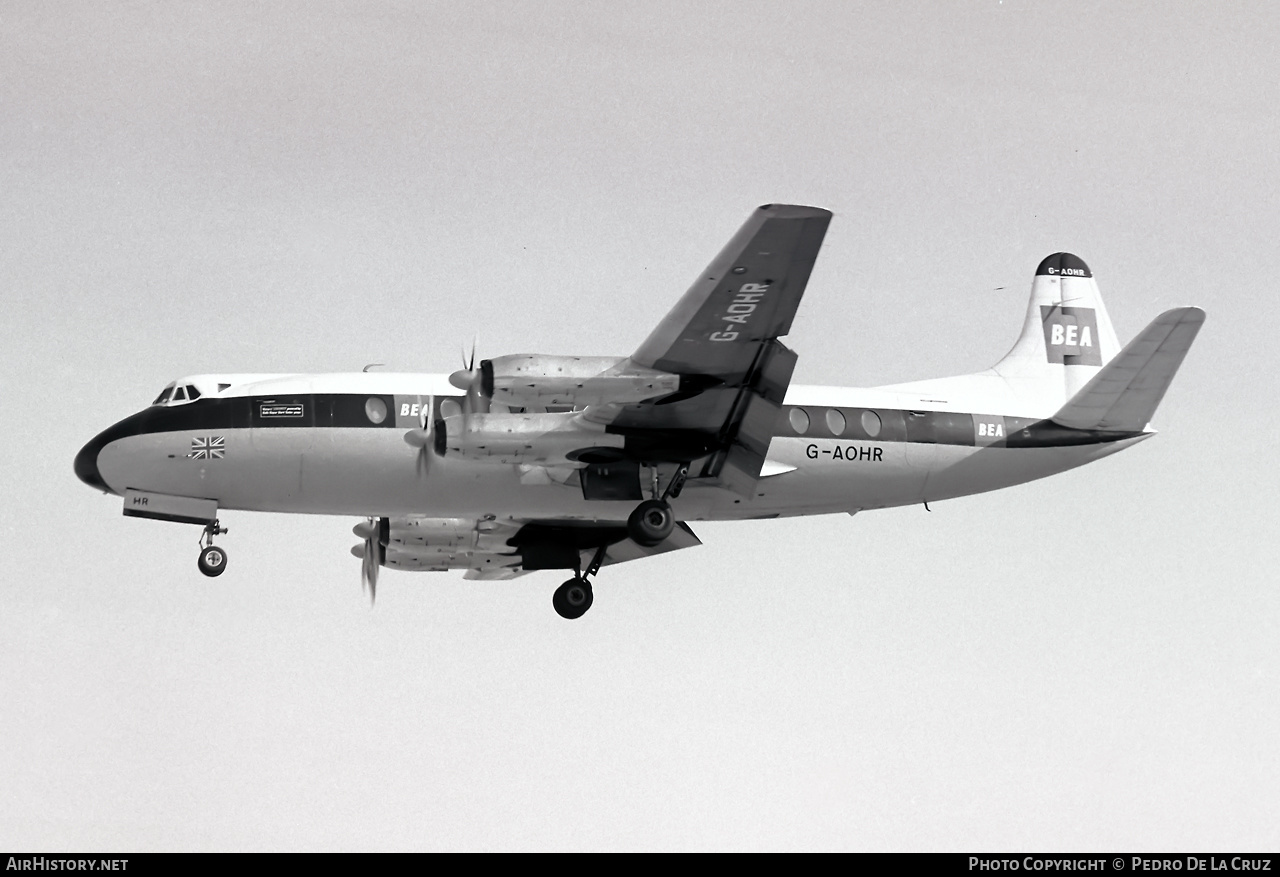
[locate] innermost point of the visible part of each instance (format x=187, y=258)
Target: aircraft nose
x=87, y=465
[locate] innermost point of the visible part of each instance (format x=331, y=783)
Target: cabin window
x=375, y=409
x=871, y=423
x=835, y=422
x=799, y=420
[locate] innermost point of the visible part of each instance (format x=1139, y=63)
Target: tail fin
x=1067, y=336
x=1123, y=395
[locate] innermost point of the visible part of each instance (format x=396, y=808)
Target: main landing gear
x=650, y=524
x=574, y=597
x=213, y=560
x=652, y=521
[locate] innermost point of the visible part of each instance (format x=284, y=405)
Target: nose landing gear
x=213, y=560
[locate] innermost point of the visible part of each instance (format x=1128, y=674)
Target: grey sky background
x=1083, y=663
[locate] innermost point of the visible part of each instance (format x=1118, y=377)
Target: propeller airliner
x=541, y=462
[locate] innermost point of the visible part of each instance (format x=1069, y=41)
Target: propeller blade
x=369, y=554
x=422, y=439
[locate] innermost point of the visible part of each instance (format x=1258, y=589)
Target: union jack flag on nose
x=212, y=448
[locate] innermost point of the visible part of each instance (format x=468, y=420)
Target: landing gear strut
x=213, y=560
x=574, y=597
x=650, y=523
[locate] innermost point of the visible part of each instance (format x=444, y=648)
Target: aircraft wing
x=722, y=339
x=747, y=296
x=498, y=550
x=618, y=552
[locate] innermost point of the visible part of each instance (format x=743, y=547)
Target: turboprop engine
x=534, y=380
x=523, y=438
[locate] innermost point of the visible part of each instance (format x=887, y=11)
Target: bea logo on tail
x=1071, y=335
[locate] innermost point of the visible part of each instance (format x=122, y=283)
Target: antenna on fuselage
x=373, y=365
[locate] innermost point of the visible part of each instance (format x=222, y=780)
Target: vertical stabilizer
x=1067, y=336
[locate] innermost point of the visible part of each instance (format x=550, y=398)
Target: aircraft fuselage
x=311, y=444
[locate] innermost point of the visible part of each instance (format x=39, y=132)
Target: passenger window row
x=835, y=422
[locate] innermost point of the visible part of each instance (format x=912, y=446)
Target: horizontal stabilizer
x=1123, y=396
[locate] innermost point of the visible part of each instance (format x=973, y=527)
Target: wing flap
x=1124, y=395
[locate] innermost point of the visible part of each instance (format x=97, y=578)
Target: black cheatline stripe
x=939, y=428
x=347, y=410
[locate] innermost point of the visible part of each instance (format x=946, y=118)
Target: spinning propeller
x=477, y=382
x=371, y=554
x=423, y=438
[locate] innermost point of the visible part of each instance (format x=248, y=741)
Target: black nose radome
x=87, y=465
x=1063, y=265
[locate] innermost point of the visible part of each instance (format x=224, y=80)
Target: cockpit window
x=192, y=393
x=164, y=395
x=180, y=394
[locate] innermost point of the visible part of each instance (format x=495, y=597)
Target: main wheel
x=213, y=560
x=573, y=598
x=651, y=522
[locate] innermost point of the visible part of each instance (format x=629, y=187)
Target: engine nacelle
x=422, y=533
x=524, y=380
x=432, y=561
x=434, y=536
x=523, y=438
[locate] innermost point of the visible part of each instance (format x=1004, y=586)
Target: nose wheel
x=213, y=560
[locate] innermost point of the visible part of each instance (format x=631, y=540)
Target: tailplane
x=1124, y=394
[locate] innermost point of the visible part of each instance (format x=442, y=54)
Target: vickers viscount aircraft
x=535, y=462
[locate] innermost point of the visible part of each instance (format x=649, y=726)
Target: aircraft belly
x=834, y=475
x=960, y=471
x=363, y=472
